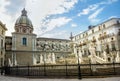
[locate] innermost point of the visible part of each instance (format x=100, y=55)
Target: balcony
x=94, y=40
x=82, y=44
x=106, y=36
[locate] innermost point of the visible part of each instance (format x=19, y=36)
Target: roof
x=52, y=39
x=3, y=25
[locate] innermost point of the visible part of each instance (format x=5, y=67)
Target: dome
x=24, y=20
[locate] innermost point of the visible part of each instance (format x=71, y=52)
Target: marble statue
x=92, y=57
x=9, y=62
x=117, y=59
x=105, y=56
x=41, y=59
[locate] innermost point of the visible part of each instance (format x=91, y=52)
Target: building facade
x=24, y=48
x=2, y=42
x=103, y=38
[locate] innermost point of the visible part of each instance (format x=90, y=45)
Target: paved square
x=7, y=78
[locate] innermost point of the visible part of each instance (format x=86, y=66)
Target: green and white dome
x=24, y=20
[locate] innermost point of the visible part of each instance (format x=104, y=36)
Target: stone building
x=103, y=38
x=2, y=41
x=24, y=48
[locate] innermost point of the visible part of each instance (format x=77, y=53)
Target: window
x=17, y=29
x=24, y=41
x=119, y=32
x=30, y=31
x=99, y=28
x=24, y=30
x=83, y=35
x=105, y=34
x=92, y=31
x=2, y=32
x=118, y=22
x=1, y=43
x=1, y=53
x=86, y=34
x=103, y=25
x=113, y=44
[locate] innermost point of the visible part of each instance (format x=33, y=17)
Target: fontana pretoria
x=25, y=48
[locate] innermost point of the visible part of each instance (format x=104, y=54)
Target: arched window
x=17, y=30
x=30, y=31
x=24, y=41
x=24, y=30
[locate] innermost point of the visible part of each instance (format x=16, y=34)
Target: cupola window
x=17, y=30
x=24, y=30
x=30, y=31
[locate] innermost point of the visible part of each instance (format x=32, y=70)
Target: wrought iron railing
x=64, y=71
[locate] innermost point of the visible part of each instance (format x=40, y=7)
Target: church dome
x=24, y=20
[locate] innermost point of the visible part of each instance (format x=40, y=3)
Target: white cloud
x=53, y=23
x=108, y=2
x=4, y=17
x=3, y=4
x=93, y=16
x=83, y=0
x=93, y=7
x=86, y=11
x=73, y=25
x=39, y=10
x=57, y=35
x=112, y=17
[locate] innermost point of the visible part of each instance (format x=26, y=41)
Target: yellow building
x=2, y=42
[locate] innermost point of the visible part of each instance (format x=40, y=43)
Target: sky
x=58, y=18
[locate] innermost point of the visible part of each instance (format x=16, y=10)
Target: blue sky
x=57, y=18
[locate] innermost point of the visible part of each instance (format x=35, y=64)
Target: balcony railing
x=106, y=36
x=94, y=40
